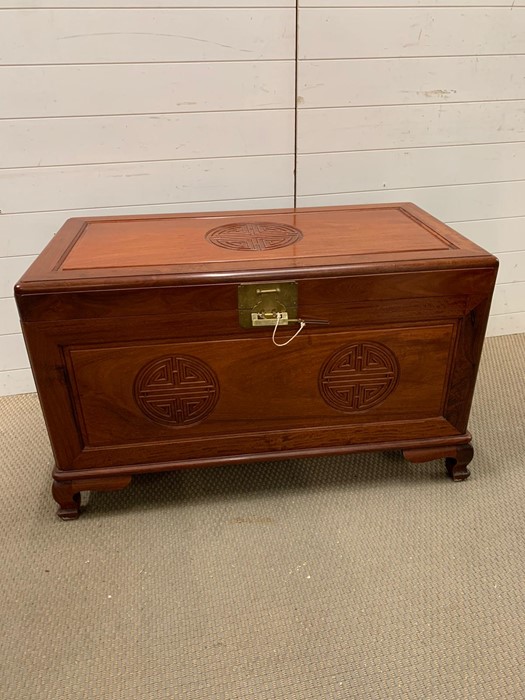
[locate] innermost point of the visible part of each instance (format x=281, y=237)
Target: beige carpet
x=359, y=577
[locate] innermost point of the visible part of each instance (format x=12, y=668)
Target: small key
x=310, y=321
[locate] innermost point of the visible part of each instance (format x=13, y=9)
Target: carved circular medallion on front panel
x=358, y=377
x=256, y=235
x=176, y=390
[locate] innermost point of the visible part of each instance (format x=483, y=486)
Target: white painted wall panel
x=506, y=324
x=257, y=3
x=423, y=102
x=9, y=322
x=394, y=169
x=409, y=126
x=113, y=36
x=18, y=381
x=508, y=298
x=102, y=4
x=125, y=184
x=13, y=353
x=410, y=80
x=126, y=138
x=386, y=32
x=58, y=91
x=11, y=269
x=449, y=203
x=143, y=4
x=495, y=235
x=408, y=3
x=27, y=234
x=512, y=267
x=123, y=107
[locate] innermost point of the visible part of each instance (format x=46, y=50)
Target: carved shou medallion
x=358, y=376
x=256, y=235
x=176, y=390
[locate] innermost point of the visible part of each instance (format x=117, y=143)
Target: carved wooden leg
x=457, y=457
x=68, y=500
x=67, y=493
x=457, y=463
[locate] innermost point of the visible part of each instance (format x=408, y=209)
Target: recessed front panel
x=161, y=392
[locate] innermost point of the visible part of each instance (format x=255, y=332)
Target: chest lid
x=144, y=251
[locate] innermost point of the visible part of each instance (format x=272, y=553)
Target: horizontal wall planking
x=511, y=267
x=408, y=3
x=9, y=322
x=145, y=5
x=11, y=269
x=410, y=80
x=506, y=324
x=394, y=32
x=33, y=4
x=495, y=235
x=194, y=4
x=18, y=381
x=114, y=36
x=408, y=126
x=156, y=182
x=420, y=167
x=448, y=203
x=61, y=91
x=27, y=234
x=83, y=140
x=508, y=298
x=13, y=354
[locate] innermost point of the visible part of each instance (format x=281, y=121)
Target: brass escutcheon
x=259, y=303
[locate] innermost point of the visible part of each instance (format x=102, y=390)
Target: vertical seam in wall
x=296, y=67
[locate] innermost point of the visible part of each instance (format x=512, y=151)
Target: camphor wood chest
x=150, y=340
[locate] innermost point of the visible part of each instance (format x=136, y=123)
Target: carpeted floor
x=361, y=577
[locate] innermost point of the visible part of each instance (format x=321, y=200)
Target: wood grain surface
x=356, y=239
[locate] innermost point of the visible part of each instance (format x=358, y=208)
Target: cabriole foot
x=67, y=493
x=68, y=500
x=457, y=464
x=457, y=457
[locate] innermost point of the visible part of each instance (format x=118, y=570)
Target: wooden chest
x=151, y=340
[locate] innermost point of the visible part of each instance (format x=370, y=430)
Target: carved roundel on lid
x=358, y=377
x=256, y=235
x=176, y=390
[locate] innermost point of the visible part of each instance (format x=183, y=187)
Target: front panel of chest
x=396, y=363
x=190, y=392
x=139, y=401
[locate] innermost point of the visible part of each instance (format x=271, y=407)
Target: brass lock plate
x=259, y=303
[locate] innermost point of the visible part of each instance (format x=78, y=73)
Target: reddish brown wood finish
x=141, y=365
x=162, y=242
x=67, y=493
x=443, y=249
x=457, y=457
